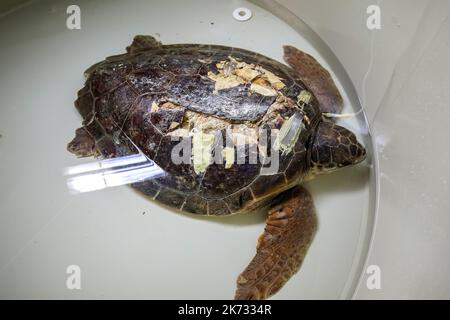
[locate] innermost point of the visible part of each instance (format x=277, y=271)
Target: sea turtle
x=231, y=106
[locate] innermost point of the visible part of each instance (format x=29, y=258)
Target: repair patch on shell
x=228, y=157
x=201, y=150
x=304, y=97
x=289, y=133
x=233, y=73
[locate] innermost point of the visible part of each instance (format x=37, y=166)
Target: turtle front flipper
x=316, y=78
x=290, y=228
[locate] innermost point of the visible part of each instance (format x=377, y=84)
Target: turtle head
x=334, y=147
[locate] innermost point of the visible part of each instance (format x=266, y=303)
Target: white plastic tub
x=129, y=247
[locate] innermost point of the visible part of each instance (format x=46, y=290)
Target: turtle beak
x=361, y=153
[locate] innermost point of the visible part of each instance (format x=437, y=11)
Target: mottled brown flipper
x=290, y=228
x=142, y=43
x=83, y=145
x=316, y=78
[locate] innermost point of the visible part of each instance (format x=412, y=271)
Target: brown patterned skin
x=290, y=228
x=335, y=147
x=82, y=145
x=316, y=78
x=117, y=105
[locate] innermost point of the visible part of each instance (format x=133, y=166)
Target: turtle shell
x=151, y=100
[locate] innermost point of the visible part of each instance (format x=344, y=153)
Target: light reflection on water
x=111, y=172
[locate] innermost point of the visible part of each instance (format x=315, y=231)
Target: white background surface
x=407, y=103
x=122, y=252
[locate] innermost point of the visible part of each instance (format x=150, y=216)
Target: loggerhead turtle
x=223, y=101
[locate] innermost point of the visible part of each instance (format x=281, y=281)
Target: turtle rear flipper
x=290, y=228
x=316, y=78
x=83, y=145
x=142, y=43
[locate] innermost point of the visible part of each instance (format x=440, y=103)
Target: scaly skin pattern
x=316, y=78
x=290, y=228
x=334, y=147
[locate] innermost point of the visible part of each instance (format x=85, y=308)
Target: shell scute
x=150, y=80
